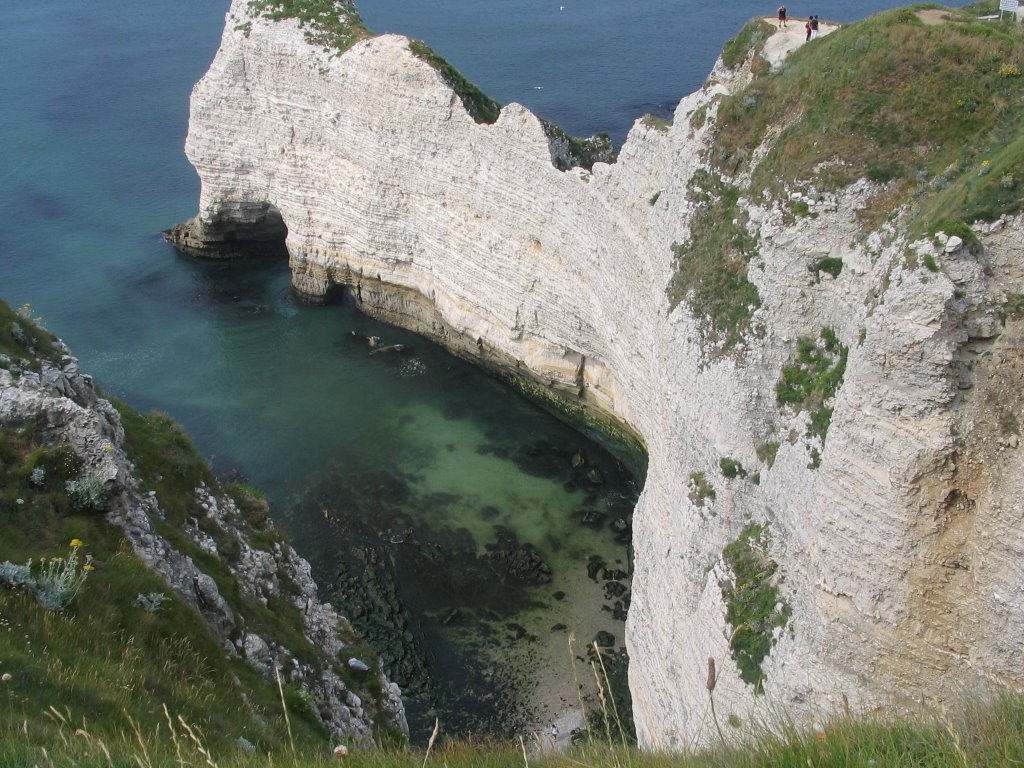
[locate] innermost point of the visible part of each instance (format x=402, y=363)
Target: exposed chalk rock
x=898, y=539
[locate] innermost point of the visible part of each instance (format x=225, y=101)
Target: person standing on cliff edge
x=814, y=27
x=782, y=16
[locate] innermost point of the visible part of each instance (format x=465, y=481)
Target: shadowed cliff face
x=467, y=233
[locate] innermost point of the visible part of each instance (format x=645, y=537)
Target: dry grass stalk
x=284, y=706
x=710, y=685
x=433, y=738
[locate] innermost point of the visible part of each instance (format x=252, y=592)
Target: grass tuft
x=753, y=608
x=813, y=377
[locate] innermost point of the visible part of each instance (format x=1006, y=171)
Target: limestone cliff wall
x=899, y=554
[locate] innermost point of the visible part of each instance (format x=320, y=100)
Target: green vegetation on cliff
x=331, y=24
x=481, y=107
x=711, y=268
x=932, y=110
x=929, y=111
x=109, y=663
x=812, y=378
x=753, y=608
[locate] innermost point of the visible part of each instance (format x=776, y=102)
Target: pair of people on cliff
x=811, y=27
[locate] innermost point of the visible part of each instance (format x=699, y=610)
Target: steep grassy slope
x=931, y=112
x=934, y=110
x=124, y=656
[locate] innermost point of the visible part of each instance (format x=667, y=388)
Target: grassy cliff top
x=331, y=24
x=927, y=99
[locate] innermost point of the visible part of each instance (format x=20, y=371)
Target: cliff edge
x=188, y=597
x=808, y=310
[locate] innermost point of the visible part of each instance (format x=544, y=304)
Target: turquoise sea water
x=94, y=103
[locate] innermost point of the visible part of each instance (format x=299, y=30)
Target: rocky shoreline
x=464, y=625
x=263, y=568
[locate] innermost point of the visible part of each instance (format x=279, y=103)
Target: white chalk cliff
x=901, y=555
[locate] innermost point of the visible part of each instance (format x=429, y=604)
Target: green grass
x=22, y=336
x=750, y=601
x=481, y=107
x=657, y=123
x=107, y=664
x=974, y=734
x=334, y=25
x=105, y=656
x=751, y=37
x=701, y=490
x=813, y=377
x=829, y=264
x=767, y=452
x=731, y=468
x=860, y=99
x=711, y=269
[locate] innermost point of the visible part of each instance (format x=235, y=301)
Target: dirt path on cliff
x=790, y=37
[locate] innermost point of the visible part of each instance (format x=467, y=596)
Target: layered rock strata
x=895, y=543
x=64, y=401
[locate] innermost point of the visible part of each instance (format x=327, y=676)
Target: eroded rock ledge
x=894, y=545
x=64, y=400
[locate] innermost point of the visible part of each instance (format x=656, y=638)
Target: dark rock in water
x=493, y=450
x=518, y=630
x=489, y=512
x=593, y=518
x=615, y=574
x=619, y=524
x=595, y=476
x=521, y=563
x=604, y=639
x=595, y=565
x=390, y=348
x=541, y=459
x=559, y=595
x=559, y=628
x=619, y=611
x=578, y=460
x=614, y=589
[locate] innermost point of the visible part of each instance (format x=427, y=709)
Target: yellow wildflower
x=76, y=543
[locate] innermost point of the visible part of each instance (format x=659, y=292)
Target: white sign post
x=1008, y=5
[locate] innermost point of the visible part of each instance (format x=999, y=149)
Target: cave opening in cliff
x=259, y=232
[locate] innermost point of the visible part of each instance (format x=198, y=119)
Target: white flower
x=341, y=750
x=5, y=677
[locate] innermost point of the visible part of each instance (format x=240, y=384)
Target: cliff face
x=260, y=568
x=892, y=545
